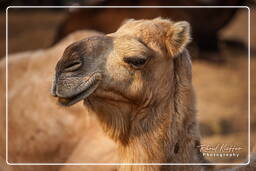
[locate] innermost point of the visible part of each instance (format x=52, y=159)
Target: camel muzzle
x=79, y=71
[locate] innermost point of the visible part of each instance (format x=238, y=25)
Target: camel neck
x=163, y=131
x=163, y=136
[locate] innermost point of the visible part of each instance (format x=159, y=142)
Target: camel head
x=130, y=67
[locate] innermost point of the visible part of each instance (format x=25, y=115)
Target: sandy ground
x=221, y=88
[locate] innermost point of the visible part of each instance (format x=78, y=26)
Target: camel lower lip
x=91, y=87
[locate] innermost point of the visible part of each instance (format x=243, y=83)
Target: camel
x=40, y=130
x=137, y=81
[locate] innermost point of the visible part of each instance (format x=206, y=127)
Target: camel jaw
x=90, y=86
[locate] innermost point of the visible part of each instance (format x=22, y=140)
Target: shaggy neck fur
x=163, y=136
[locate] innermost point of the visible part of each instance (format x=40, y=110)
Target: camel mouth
x=90, y=87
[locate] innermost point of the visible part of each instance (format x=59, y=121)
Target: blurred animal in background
x=206, y=22
x=39, y=131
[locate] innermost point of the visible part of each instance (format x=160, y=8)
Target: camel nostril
x=73, y=66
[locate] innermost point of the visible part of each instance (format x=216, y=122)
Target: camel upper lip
x=91, y=86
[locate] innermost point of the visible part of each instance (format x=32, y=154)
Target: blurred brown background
x=220, y=56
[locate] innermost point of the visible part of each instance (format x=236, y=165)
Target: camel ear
x=177, y=38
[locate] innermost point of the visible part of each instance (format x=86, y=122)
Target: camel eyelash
x=135, y=61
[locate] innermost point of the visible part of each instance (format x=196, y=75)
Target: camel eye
x=73, y=66
x=136, y=62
